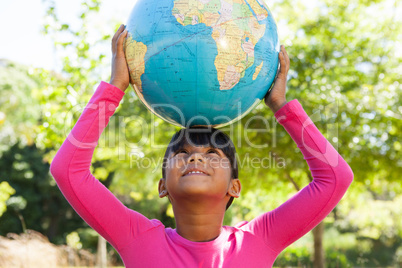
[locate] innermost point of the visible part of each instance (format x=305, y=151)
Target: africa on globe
x=201, y=62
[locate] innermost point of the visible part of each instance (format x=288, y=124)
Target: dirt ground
x=33, y=250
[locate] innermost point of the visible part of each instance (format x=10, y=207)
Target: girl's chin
x=197, y=191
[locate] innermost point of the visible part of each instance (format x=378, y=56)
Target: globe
x=201, y=62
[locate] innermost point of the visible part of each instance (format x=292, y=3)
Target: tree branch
x=292, y=181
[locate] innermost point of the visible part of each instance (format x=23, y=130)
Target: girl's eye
x=212, y=151
x=181, y=152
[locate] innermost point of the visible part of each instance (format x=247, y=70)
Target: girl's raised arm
x=71, y=165
x=331, y=174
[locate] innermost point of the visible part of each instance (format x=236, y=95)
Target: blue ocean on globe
x=201, y=62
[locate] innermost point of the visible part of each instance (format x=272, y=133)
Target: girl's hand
x=276, y=98
x=120, y=76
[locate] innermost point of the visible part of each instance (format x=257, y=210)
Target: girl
x=200, y=178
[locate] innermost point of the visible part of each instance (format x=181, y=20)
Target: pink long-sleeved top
x=142, y=242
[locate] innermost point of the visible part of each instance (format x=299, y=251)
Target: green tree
x=37, y=203
x=19, y=113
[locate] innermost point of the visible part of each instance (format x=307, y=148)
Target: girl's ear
x=162, y=188
x=234, y=188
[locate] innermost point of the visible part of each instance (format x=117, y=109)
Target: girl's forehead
x=196, y=146
x=193, y=147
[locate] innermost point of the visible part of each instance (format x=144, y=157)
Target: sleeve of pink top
x=331, y=178
x=71, y=170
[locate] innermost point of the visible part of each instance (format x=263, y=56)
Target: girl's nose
x=196, y=157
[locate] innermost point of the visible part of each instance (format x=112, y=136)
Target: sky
x=21, y=22
x=21, y=38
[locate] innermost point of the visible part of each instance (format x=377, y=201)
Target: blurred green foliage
x=5, y=192
x=345, y=70
x=37, y=203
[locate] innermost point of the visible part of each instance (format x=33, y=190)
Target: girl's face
x=198, y=171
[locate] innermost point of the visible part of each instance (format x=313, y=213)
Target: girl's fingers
x=121, y=40
x=283, y=64
x=286, y=57
x=116, y=36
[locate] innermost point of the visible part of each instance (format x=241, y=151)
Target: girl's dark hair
x=203, y=136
